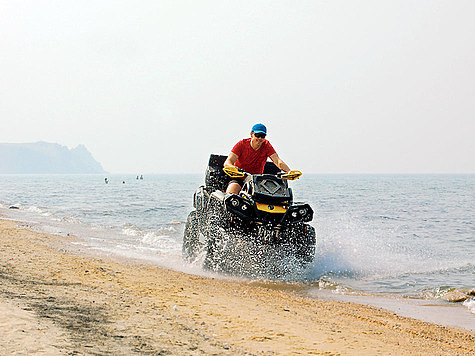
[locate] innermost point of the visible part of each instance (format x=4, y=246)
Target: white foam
x=131, y=230
x=167, y=229
x=71, y=219
x=470, y=304
x=153, y=239
x=35, y=209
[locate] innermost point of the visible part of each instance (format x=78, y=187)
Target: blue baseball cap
x=259, y=128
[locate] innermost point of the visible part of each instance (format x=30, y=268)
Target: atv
x=259, y=231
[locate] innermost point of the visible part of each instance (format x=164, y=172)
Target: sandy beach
x=54, y=301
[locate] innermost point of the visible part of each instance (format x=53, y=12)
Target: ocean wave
x=155, y=209
x=158, y=238
x=441, y=292
x=167, y=229
x=334, y=287
x=37, y=210
x=153, y=239
x=470, y=304
x=454, y=270
x=131, y=230
x=70, y=219
x=388, y=217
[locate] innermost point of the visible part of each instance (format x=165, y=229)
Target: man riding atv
x=254, y=227
x=250, y=155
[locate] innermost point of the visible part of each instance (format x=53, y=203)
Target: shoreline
x=68, y=302
x=438, y=311
x=435, y=311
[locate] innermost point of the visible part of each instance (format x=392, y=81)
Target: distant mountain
x=44, y=157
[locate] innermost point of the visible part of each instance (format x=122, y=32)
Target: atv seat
x=216, y=179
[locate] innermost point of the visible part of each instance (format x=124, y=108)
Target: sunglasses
x=260, y=135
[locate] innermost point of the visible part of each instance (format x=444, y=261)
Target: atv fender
x=200, y=199
x=219, y=195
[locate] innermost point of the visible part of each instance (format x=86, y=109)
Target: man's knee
x=233, y=188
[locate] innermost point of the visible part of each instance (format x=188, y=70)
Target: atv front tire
x=214, y=250
x=306, y=248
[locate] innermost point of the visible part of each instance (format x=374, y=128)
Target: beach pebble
x=455, y=296
x=471, y=292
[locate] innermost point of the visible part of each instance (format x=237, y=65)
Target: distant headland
x=46, y=158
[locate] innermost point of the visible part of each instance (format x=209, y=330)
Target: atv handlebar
x=235, y=172
x=292, y=175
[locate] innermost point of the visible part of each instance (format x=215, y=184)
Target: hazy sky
x=156, y=86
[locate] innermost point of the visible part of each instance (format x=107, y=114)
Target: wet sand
x=54, y=301
x=433, y=311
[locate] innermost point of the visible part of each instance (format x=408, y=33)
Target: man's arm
x=232, y=158
x=278, y=162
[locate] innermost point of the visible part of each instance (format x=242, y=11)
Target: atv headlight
x=239, y=206
x=298, y=213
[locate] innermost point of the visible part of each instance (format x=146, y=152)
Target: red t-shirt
x=250, y=160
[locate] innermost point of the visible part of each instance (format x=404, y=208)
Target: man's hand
x=234, y=172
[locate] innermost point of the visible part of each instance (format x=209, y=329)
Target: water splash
x=470, y=304
x=375, y=256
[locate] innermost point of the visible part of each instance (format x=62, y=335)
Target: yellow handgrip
x=233, y=172
x=292, y=175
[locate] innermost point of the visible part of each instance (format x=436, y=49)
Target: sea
x=406, y=237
